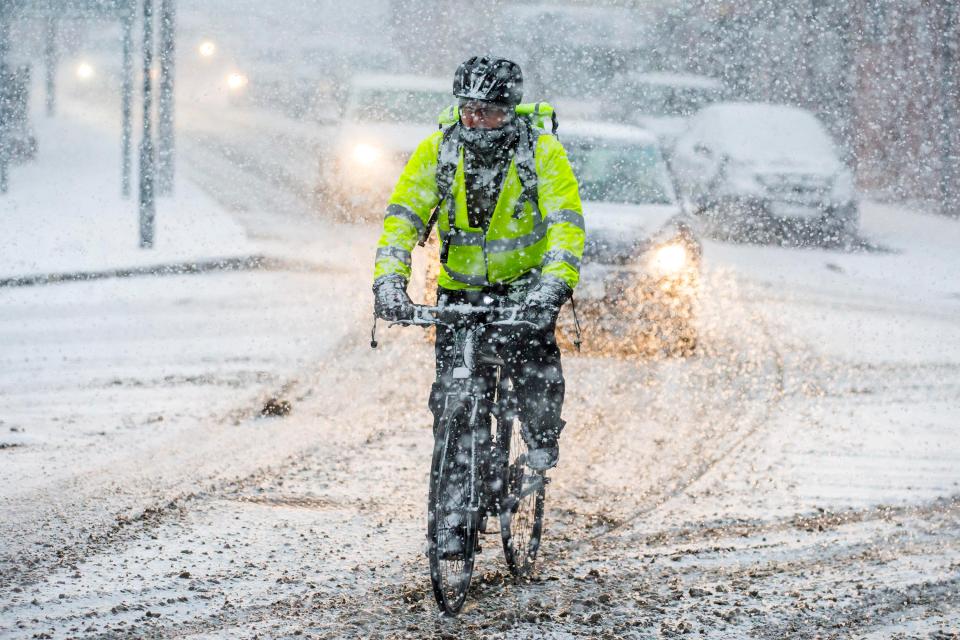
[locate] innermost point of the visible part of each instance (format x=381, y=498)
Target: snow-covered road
x=798, y=477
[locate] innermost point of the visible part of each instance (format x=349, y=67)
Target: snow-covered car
x=385, y=118
x=641, y=265
x=662, y=102
x=756, y=165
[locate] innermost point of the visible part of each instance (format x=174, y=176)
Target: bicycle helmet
x=489, y=79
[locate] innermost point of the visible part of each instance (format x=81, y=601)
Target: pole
x=165, y=141
x=50, y=62
x=147, y=204
x=5, y=108
x=126, y=99
x=949, y=96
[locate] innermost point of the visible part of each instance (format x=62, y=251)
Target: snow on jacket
x=517, y=239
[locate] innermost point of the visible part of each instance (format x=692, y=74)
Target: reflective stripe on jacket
x=517, y=239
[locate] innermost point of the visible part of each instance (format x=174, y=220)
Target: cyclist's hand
x=542, y=305
x=390, y=299
x=544, y=318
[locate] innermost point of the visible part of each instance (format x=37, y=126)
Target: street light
x=85, y=70
x=207, y=49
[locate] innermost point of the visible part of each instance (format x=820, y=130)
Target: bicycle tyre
x=521, y=504
x=450, y=577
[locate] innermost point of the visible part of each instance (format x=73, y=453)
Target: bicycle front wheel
x=521, y=504
x=451, y=521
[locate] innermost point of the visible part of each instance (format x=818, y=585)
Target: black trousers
x=532, y=360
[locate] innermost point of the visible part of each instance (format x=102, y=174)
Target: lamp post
x=165, y=106
x=126, y=98
x=4, y=108
x=50, y=62
x=147, y=167
x=949, y=97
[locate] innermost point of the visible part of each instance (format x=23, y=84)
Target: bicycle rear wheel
x=521, y=505
x=451, y=524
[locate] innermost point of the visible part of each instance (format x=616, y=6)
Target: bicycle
x=477, y=471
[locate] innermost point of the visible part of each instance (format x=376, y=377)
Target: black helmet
x=490, y=80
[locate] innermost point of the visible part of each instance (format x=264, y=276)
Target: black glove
x=390, y=299
x=543, y=302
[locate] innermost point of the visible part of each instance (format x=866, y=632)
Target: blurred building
x=906, y=99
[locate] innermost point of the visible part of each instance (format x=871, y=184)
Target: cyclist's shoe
x=543, y=447
x=544, y=457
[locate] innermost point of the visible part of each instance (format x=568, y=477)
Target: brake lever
x=513, y=320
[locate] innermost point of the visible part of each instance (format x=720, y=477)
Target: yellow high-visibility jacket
x=517, y=240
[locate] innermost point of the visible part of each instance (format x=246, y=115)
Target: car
x=385, y=117
x=662, y=102
x=757, y=167
x=640, y=275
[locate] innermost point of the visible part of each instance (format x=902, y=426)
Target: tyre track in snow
x=753, y=370
x=232, y=451
x=707, y=460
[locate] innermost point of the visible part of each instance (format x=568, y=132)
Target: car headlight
x=365, y=154
x=670, y=259
x=237, y=81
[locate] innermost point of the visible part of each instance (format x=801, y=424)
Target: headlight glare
x=670, y=258
x=364, y=153
x=237, y=81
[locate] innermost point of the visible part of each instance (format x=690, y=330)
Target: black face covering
x=486, y=155
x=487, y=142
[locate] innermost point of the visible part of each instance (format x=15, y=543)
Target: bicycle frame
x=465, y=323
x=490, y=483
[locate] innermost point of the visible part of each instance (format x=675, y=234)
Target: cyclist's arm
x=559, y=198
x=408, y=210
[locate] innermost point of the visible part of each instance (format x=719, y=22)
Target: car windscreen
x=397, y=105
x=619, y=172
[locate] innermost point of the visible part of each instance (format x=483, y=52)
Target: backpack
x=532, y=116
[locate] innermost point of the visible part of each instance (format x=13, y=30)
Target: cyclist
x=503, y=241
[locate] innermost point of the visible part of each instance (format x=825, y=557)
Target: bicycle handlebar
x=456, y=314
x=426, y=316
